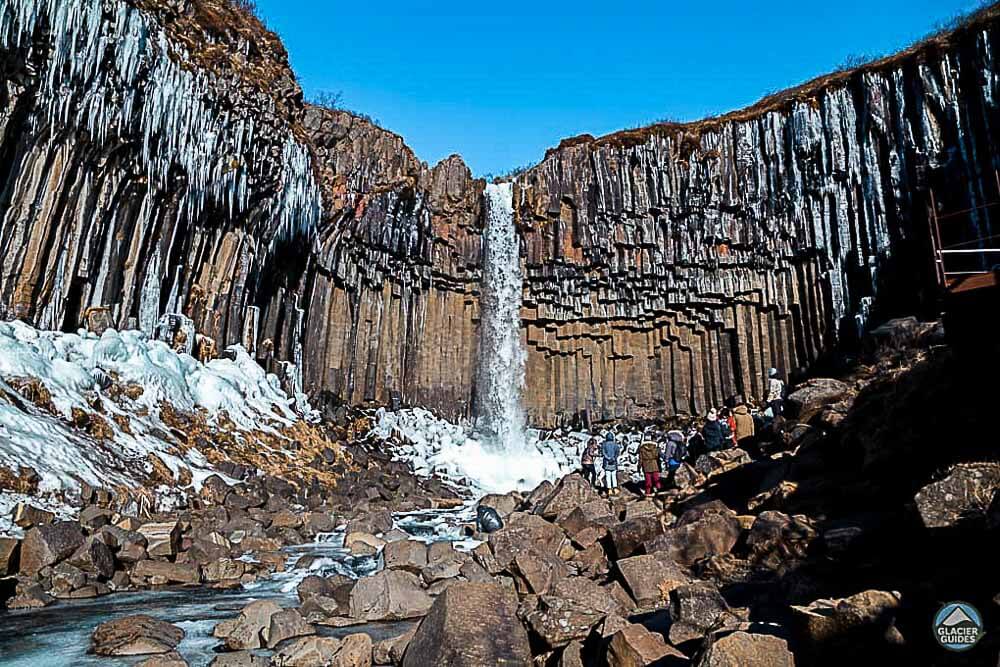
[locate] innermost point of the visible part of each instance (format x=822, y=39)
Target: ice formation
x=458, y=455
x=111, y=72
x=74, y=368
x=500, y=415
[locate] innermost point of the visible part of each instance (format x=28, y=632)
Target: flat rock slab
x=471, y=625
x=135, y=635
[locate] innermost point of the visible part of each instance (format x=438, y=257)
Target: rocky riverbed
x=837, y=539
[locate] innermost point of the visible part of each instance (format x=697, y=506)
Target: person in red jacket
x=731, y=418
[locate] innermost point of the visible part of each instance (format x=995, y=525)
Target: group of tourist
x=661, y=453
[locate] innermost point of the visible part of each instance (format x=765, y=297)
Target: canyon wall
x=152, y=161
x=156, y=157
x=670, y=267
x=393, y=289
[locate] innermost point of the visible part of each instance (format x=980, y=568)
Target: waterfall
x=500, y=376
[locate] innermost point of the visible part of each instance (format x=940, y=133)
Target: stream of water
x=59, y=635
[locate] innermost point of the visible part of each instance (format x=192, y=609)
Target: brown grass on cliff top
x=226, y=35
x=926, y=48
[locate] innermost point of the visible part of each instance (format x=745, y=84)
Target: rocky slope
x=159, y=160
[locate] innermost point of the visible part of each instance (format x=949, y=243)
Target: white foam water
x=500, y=418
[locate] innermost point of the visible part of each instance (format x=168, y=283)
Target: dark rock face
x=701, y=255
x=468, y=626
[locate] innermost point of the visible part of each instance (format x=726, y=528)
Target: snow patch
x=76, y=368
x=9, y=502
x=436, y=446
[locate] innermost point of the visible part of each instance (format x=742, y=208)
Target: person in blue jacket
x=610, y=451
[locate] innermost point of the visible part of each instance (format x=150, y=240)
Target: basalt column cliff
x=670, y=267
x=156, y=157
x=152, y=161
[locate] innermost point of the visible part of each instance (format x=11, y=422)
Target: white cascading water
x=500, y=416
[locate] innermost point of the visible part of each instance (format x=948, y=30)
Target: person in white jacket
x=775, y=392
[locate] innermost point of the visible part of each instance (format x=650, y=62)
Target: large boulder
x=94, y=518
x=965, y=492
x=704, y=531
x=372, y=522
x=351, y=651
x=224, y=569
x=538, y=570
x=389, y=595
x=286, y=624
x=307, y=652
x=47, y=545
x=29, y=594
x=741, y=648
x=504, y=505
x=27, y=516
x=363, y=544
x=858, y=620
x=810, y=397
x=158, y=572
x=239, y=659
x=135, y=635
x=571, y=492
x=171, y=659
x=696, y=610
x=570, y=611
x=635, y=646
x=214, y=490
x=523, y=533
x=162, y=539
x=628, y=537
x=650, y=578
x=247, y=630
x=355, y=651
x=471, y=625
x=10, y=556
x=95, y=558
x=776, y=538
x=408, y=555
x=390, y=651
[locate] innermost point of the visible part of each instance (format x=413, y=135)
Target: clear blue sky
x=499, y=83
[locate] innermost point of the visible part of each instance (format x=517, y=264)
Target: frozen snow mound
x=453, y=452
x=96, y=405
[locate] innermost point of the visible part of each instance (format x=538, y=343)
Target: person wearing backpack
x=715, y=437
x=649, y=461
x=610, y=451
x=675, y=451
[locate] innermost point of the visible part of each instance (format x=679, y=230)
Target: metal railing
x=948, y=278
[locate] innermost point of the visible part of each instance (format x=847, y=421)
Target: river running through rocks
x=59, y=635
